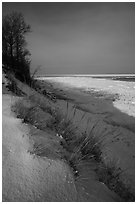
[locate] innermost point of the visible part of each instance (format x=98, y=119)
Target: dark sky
x=80, y=38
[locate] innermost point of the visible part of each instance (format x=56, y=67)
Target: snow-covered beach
x=125, y=90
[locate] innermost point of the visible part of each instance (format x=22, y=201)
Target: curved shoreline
x=123, y=90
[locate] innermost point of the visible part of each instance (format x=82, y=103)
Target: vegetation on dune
x=12, y=85
x=78, y=146
x=109, y=173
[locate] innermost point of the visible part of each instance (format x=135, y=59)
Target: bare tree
x=14, y=52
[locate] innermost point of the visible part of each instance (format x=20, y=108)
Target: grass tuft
x=110, y=174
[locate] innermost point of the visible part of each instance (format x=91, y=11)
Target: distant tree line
x=15, y=56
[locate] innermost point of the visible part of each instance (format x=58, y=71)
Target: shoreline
x=121, y=93
x=86, y=75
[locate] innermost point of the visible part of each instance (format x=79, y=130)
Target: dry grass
x=78, y=146
x=30, y=113
x=87, y=147
x=12, y=86
x=110, y=174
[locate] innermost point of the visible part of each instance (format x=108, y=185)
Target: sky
x=78, y=37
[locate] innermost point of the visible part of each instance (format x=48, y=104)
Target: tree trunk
x=17, y=50
x=11, y=56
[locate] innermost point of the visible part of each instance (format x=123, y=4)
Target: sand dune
x=24, y=173
x=25, y=177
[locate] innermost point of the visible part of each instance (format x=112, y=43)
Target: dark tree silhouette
x=15, y=56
